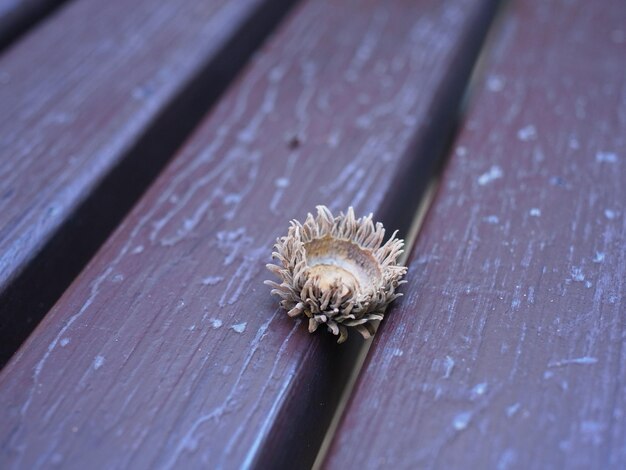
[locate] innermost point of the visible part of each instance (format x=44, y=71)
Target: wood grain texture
x=17, y=16
x=168, y=351
x=91, y=111
x=507, y=350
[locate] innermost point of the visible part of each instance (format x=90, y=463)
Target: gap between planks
x=461, y=420
x=62, y=256
x=414, y=229
x=362, y=354
x=17, y=18
x=449, y=118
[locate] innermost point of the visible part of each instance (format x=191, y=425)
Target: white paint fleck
x=231, y=242
x=461, y=420
x=281, y=182
x=276, y=74
x=64, y=342
x=142, y=92
x=448, y=364
x=593, y=431
x=491, y=219
x=118, y=278
x=334, y=139
x=494, y=173
x=599, y=257
x=527, y=133
x=606, y=157
x=585, y=360
x=138, y=249
x=577, y=274
x=396, y=352
x=212, y=280
x=240, y=327
x=557, y=181
x=511, y=410
x=588, y=284
x=495, y=83
x=535, y=212
x=479, y=389
x=609, y=214
x=507, y=459
x=98, y=362
x=216, y=323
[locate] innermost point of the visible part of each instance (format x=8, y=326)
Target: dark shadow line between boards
x=36, y=289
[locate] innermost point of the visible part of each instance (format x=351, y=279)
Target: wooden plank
x=91, y=111
x=168, y=351
x=17, y=16
x=507, y=350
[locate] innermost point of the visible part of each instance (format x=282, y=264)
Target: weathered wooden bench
x=151, y=156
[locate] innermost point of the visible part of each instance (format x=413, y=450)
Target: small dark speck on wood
x=294, y=141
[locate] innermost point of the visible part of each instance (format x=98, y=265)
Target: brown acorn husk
x=337, y=272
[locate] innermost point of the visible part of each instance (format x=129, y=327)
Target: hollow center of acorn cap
x=356, y=268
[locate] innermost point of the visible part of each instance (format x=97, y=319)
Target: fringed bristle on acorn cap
x=337, y=272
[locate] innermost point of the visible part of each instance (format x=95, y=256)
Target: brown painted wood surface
x=17, y=16
x=507, y=350
x=168, y=351
x=94, y=102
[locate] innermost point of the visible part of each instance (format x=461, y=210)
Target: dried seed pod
x=337, y=272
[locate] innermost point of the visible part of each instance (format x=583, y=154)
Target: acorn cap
x=335, y=271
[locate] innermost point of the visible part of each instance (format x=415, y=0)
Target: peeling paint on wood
x=199, y=373
x=94, y=102
x=531, y=305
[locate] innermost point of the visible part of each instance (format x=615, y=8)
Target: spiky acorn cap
x=337, y=272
